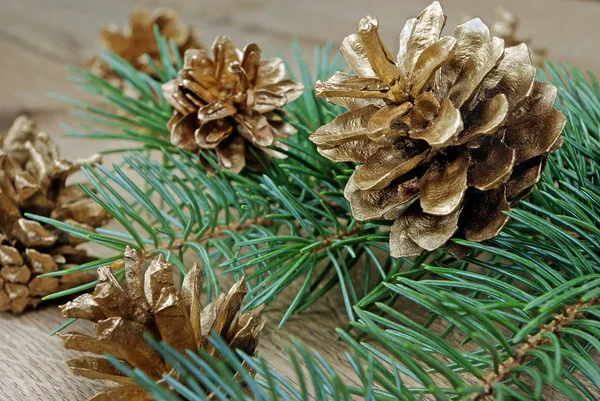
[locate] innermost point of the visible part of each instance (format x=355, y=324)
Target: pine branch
x=524, y=354
x=312, y=236
x=504, y=295
x=524, y=306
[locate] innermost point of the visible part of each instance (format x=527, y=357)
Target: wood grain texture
x=37, y=39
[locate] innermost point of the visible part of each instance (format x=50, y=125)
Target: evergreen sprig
x=517, y=320
x=522, y=308
x=287, y=223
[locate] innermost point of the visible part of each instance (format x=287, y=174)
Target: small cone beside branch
x=138, y=40
x=150, y=303
x=230, y=102
x=33, y=180
x=448, y=134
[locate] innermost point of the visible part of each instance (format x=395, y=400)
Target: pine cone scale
x=270, y=71
x=536, y=135
x=378, y=56
x=430, y=60
x=232, y=154
x=126, y=337
x=524, y=177
x=444, y=129
x=485, y=214
x=513, y=77
x=486, y=119
x=210, y=135
x=495, y=170
x=10, y=256
x=387, y=164
x=97, y=369
x=419, y=34
x=344, y=128
x=216, y=110
x=356, y=150
x=85, y=343
x=369, y=205
x=383, y=122
x=123, y=393
x=191, y=289
x=443, y=186
x=173, y=321
x=347, y=86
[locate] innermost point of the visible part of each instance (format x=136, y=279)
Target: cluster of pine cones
x=445, y=137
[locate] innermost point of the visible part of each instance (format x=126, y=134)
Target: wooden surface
x=38, y=37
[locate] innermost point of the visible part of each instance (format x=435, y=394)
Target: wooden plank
x=38, y=37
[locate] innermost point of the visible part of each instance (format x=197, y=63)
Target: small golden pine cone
x=138, y=39
x=506, y=27
x=33, y=180
x=229, y=102
x=151, y=303
x=448, y=136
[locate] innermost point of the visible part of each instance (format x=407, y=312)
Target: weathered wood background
x=39, y=37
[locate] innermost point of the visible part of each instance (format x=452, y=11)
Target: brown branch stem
x=522, y=355
x=217, y=232
x=342, y=235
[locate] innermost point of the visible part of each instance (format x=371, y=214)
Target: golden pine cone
x=150, y=303
x=138, y=39
x=229, y=102
x=33, y=180
x=506, y=27
x=448, y=135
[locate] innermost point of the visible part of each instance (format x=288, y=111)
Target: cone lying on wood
x=151, y=304
x=229, y=102
x=449, y=134
x=138, y=40
x=33, y=180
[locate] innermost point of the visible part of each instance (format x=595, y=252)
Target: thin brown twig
x=217, y=232
x=342, y=235
x=560, y=321
x=236, y=227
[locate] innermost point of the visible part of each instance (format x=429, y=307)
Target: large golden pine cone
x=151, y=303
x=230, y=102
x=138, y=39
x=449, y=135
x=33, y=180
